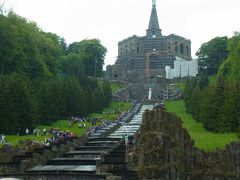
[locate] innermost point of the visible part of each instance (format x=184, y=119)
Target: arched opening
x=181, y=48
x=137, y=49
x=176, y=47
x=115, y=74
x=187, y=50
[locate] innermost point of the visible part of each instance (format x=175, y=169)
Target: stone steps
x=90, y=139
x=91, y=148
x=82, y=160
x=72, y=161
x=84, y=154
x=64, y=168
x=98, y=158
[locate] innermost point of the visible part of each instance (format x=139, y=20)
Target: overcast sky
x=114, y=20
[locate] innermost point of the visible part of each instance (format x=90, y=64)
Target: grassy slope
x=181, y=85
x=111, y=113
x=203, y=138
x=116, y=86
x=60, y=124
x=114, y=107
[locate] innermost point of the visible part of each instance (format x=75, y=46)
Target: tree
x=16, y=106
x=8, y=44
x=195, y=102
x=217, y=104
x=211, y=110
x=231, y=108
x=72, y=66
x=203, y=80
x=92, y=54
x=212, y=54
x=107, y=92
x=230, y=68
x=73, y=94
x=52, y=51
x=97, y=100
x=43, y=80
x=191, y=84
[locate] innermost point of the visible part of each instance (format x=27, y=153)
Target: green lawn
x=203, y=138
x=114, y=107
x=116, y=86
x=181, y=85
x=112, y=112
x=60, y=124
x=64, y=126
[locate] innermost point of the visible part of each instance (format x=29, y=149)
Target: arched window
x=187, y=50
x=181, y=48
x=137, y=49
x=176, y=47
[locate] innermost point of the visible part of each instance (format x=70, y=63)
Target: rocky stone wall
x=165, y=150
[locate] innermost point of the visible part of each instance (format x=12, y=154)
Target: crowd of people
x=77, y=119
x=36, y=132
x=55, y=135
x=58, y=136
x=103, y=124
x=80, y=120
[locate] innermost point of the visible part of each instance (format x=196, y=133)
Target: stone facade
x=147, y=56
x=141, y=91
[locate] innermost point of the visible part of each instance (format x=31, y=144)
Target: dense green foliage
x=27, y=50
x=42, y=79
x=217, y=104
x=212, y=54
x=203, y=139
x=16, y=106
x=91, y=53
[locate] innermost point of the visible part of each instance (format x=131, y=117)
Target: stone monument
x=141, y=58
